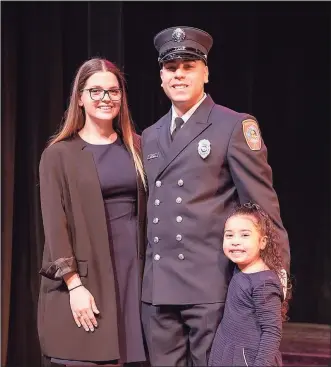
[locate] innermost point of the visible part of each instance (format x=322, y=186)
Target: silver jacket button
x=156, y=239
x=156, y=220
x=157, y=257
x=181, y=257
x=180, y=182
x=179, y=237
x=179, y=219
x=178, y=200
x=158, y=183
x=157, y=202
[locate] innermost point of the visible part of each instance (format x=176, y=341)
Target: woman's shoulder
x=55, y=151
x=55, y=148
x=63, y=145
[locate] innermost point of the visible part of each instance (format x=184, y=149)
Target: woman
x=93, y=208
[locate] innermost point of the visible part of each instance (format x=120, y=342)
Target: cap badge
x=204, y=148
x=178, y=35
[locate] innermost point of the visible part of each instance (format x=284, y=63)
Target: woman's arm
x=62, y=263
x=57, y=239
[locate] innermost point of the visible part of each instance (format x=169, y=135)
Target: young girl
x=251, y=328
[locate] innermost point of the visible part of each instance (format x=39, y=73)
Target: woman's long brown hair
x=74, y=118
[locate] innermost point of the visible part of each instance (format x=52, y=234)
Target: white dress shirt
x=186, y=115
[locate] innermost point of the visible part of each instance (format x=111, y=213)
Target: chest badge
x=204, y=148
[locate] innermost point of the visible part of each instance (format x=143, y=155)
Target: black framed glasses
x=98, y=94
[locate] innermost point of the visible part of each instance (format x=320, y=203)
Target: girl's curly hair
x=271, y=253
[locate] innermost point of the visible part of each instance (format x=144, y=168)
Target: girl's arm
x=267, y=299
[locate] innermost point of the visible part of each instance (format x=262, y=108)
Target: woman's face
x=107, y=108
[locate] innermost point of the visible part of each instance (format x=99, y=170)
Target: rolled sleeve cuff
x=57, y=269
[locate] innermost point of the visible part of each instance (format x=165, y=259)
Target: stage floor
x=306, y=345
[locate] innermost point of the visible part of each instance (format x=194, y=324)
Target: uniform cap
x=183, y=42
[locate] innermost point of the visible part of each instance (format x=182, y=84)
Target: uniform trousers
x=49, y=362
x=180, y=335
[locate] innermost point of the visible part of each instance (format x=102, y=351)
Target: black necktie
x=178, y=122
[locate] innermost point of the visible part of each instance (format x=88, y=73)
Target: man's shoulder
x=157, y=124
x=229, y=117
x=229, y=113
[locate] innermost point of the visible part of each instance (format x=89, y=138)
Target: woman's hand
x=83, y=308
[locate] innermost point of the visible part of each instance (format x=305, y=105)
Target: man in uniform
x=201, y=160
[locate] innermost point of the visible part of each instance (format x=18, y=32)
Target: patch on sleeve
x=252, y=134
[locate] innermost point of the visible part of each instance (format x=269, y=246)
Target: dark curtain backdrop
x=269, y=59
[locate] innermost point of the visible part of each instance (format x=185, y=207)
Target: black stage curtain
x=269, y=59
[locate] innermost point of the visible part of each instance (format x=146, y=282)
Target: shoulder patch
x=252, y=134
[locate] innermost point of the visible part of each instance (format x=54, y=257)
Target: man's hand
x=283, y=280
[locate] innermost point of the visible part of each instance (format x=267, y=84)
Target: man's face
x=183, y=81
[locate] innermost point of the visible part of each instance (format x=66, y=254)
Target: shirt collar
x=186, y=115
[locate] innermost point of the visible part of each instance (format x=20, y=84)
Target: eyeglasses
x=98, y=94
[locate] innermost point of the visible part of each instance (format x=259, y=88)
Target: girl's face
x=242, y=241
x=105, y=109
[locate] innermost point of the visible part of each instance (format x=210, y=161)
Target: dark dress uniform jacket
x=76, y=238
x=190, y=199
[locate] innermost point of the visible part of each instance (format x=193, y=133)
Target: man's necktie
x=178, y=122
